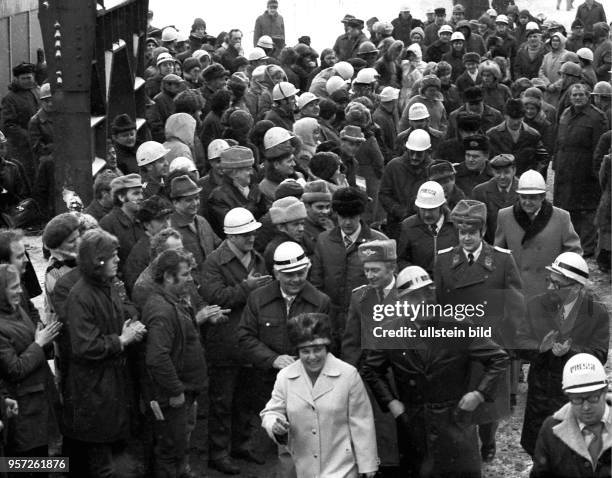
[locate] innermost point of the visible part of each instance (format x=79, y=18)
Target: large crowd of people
x=225, y=274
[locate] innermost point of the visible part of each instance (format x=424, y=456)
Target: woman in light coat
x=319, y=409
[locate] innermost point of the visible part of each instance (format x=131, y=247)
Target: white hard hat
x=216, y=147
x=181, y=36
x=290, y=257
x=163, y=58
x=259, y=73
x=418, y=111
x=45, y=91
x=418, y=140
x=265, y=41
x=305, y=99
x=457, y=36
x=257, y=54
x=240, y=221
x=492, y=12
x=275, y=136
x=585, y=54
x=602, y=88
x=583, y=373
x=430, y=195
x=502, y=19
x=389, y=94
x=531, y=182
x=344, y=69
x=412, y=278
x=405, y=7
x=149, y=152
x=182, y=163
x=284, y=90
x=366, y=76
x=169, y=34
x=334, y=84
x=445, y=29
x=532, y=26
x=572, y=266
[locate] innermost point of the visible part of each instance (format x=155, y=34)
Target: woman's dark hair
x=288, y=56
x=220, y=101
x=308, y=327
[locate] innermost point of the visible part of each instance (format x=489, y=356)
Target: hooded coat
x=26, y=375
x=551, y=62
x=97, y=390
x=180, y=134
x=412, y=72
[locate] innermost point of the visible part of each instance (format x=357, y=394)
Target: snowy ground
x=318, y=18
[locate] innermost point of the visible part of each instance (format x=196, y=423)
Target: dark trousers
x=233, y=409
x=172, y=436
x=584, y=223
x=486, y=432
x=94, y=460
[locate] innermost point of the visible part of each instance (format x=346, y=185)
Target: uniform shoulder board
x=360, y=287
x=501, y=249
x=442, y=251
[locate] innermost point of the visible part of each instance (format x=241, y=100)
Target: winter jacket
x=465, y=81
x=346, y=47
x=455, y=59
x=27, y=378
x=561, y=450
x=412, y=73
x=489, y=194
x=157, y=114
x=208, y=183
x=452, y=97
x=551, y=64
x=524, y=66
x=590, y=334
x=550, y=235
x=174, y=360
x=16, y=109
x=435, y=439
x=40, y=130
x=337, y=270
x=127, y=231
x=388, y=124
x=262, y=333
x=225, y=278
x=126, y=159
x=398, y=189
x=96, y=210
x=331, y=430
x=436, y=50
x=137, y=261
x=591, y=15
x=496, y=96
x=602, y=60
x=467, y=180
x=273, y=26
x=97, y=391
x=418, y=246
x=14, y=186
x=576, y=185
x=403, y=26
x=280, y=118
x=529, y=140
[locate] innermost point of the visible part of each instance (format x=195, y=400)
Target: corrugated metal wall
x=20, y=36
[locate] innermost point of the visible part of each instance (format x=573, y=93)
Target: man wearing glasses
x=576, y=440
x=565, y=320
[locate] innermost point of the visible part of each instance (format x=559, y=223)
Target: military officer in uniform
x=475, y=272
x=379, y=259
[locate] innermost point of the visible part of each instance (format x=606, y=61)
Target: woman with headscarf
x=495, y=94
x=309, y=132
x=412, y=71
x=551, y=63
x=25, y=372
x=322, y=396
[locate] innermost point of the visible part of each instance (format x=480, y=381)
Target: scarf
x=532, y=228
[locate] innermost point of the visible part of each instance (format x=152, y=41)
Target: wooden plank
x=13, y=7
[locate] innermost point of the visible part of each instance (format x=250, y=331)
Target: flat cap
x=502, y=160
x=439, y=170
x=126, y=182
x=377, y=251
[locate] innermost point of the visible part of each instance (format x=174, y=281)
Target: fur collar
x=532, y=228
